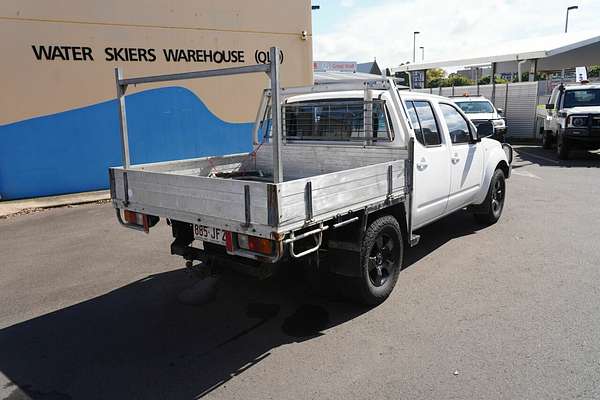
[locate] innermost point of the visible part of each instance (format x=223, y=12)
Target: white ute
x=343, y=172
x=571, y=119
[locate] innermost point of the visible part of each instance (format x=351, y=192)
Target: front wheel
x=381, y=254
x=500, y=136
x=491, y=209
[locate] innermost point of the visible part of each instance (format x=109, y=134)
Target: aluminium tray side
x=339, y=192
x=222, y=202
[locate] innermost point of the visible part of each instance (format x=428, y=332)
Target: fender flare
x=496, y=159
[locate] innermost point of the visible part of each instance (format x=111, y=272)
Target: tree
x=457, y=80
x=436, y=82
x=486, y=80
x=525, y=77
x=435, y=74
x=593, y=71
x=434, y=77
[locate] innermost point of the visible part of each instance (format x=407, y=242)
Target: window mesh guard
x=341, y=120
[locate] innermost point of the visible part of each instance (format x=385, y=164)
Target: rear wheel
x=562, y=148
x=546, y=140
x=381, y=254
x=490, y=210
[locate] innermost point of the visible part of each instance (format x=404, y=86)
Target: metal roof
x=528, y=49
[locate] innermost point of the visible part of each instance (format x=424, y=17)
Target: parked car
x=480, y=109
x=341, y=171
x=571, y=119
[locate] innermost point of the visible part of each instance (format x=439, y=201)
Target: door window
x=458, y=127
x=424, y=123
x=553, y=97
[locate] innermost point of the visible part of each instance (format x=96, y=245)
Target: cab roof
x=582, y=86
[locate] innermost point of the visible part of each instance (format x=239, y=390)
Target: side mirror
x=484, y=129
x=549, y=106
x=500, y=111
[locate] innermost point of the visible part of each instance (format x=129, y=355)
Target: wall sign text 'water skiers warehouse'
x=137, y=54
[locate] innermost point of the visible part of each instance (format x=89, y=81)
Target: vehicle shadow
x=435, y=235
x=543, y=157
x=139, y=341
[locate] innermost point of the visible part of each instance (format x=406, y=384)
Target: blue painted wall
x=71, y=151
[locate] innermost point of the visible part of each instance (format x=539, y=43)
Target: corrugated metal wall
x=519, y=107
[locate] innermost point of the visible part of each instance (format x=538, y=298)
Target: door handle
x=455, y=158
x=421, y=165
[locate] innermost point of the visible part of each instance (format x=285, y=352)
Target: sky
x=361, y=30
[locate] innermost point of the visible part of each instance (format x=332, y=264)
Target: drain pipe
x=519, y=65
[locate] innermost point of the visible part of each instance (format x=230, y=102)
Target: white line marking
x=525, y=173
x=536, y=156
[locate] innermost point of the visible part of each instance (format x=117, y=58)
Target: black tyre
x=500, y=136
x=546, y=140
x=562, y=148
x=380, y=261
x=490, y=210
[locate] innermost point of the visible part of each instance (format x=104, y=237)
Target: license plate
x=209, y=234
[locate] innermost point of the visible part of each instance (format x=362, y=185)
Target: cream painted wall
x=32, y=87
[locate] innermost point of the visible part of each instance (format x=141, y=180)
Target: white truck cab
x=453, y=170
x=480, y=109
x=571, y=119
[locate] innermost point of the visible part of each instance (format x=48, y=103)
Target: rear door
x=466, y=158
x=432, y=160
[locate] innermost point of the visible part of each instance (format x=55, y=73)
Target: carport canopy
x=544, y=53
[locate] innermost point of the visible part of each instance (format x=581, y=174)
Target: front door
x=432, y=160
x=466, y=159
x=555, y=120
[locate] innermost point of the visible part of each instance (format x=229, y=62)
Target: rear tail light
x=255, y=244
x=228, y=241
x=139, y=219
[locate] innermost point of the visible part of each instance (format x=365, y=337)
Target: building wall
x=58, y=113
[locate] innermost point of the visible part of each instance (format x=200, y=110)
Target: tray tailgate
x=202, y=196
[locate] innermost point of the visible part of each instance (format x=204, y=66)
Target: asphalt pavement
x=89, y=310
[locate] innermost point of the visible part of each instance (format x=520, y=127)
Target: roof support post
x=493, y=80
x=506, y=100
x=520, y=70
x=532, y=70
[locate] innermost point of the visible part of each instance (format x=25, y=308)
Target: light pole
x=567, y=19
x=422, y=53
x=415, y=33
